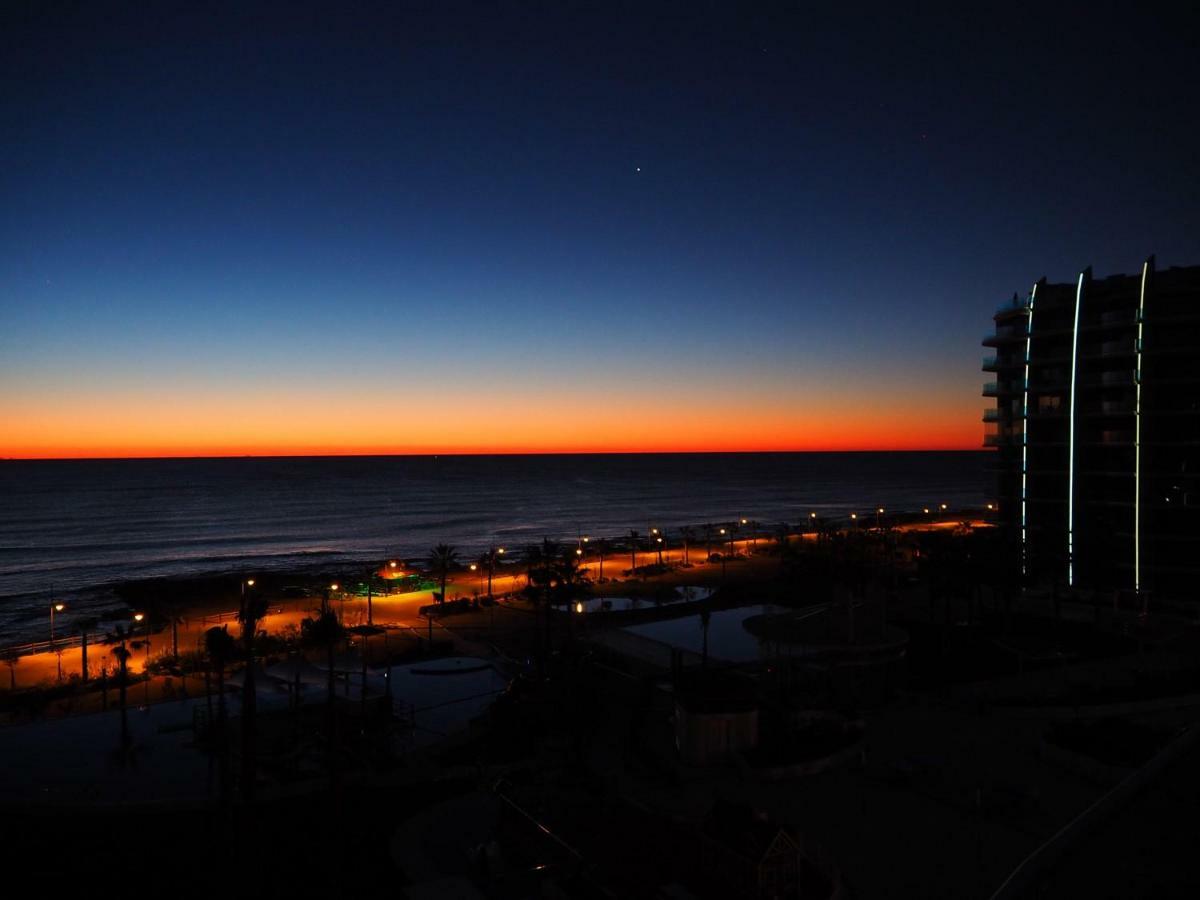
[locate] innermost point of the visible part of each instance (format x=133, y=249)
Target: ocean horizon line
x=490, y=454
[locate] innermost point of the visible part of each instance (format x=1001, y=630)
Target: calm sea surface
x=71, y=527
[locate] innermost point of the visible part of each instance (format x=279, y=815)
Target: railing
x=1117, y=348
x=1003, y=439
x=1016, y=304
x=1005, y=333
x=1119, y=317
x=1116, y=377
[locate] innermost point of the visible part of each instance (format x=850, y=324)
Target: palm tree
x=325, y=631
x=364, y=632
x=633, y=543
x=11, y=659
x=569, y=575
x=783, y=533
x=533, y=559
x=442, y=559
x=220, y=647
x=172, y=611
x=253, y=608
x=688, y=534
x=86, y=626
x=602, y=548
x=121, y=638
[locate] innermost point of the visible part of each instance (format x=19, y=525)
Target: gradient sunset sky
x=557, y=227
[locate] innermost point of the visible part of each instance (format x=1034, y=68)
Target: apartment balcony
x=1010, y=307
x=1117, y=407
x=1112, y=349
x=992, y=414
x=1010, y=363
x=1118, y=317
x=1116, y=437
x=1000, y=389
x=1002, y=440
x=1005, y=334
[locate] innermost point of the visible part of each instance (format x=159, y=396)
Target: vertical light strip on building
x=1071, y=441
x=1137, y=437
x=1025, y=435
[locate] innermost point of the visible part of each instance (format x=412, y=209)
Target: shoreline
x=210, y=592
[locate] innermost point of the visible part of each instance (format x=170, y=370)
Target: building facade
x=1096, y=427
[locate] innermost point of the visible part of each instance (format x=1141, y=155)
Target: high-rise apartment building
x=1097, y=430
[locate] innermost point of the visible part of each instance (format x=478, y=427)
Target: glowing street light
x=56, y=607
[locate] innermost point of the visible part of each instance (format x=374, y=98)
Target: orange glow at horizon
x=189, y=424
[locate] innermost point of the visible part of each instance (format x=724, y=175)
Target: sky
x=440, y=227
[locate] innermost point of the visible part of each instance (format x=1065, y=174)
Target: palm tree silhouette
x=633, y=543
x=442, y=559
x=220, y=647
x=602, y=548
x=533, y=559
x=86, y=626
x=324, y=632
x=121, y=638
x=688, y=534
x=11, y=659
x=253, y=608
x=173, y=611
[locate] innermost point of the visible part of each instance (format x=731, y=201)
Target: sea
x=71, y=529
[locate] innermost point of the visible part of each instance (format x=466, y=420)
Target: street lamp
x=878, y=513
x=55, y=607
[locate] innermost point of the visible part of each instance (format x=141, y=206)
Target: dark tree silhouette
x=442, y=559
x=324, y=632
x=123, y=650
x=86, y=627
x=688, y=535
x=602, y=548
x=253, y=608
x=11, y=659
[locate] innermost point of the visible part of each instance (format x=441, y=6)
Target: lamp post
x=725, y=555
x=492, y=566
x=138, y=618
x=854, y=521
x=878, y=515
x=55, y=607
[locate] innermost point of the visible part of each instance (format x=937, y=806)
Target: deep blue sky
x=442, y=203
